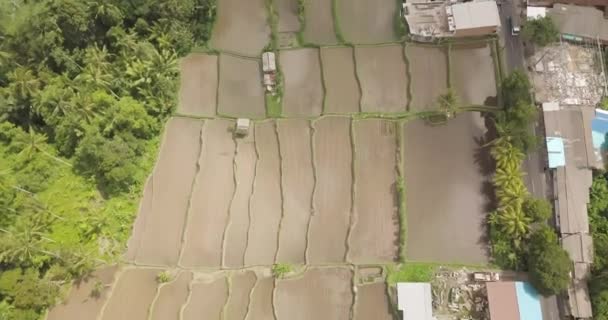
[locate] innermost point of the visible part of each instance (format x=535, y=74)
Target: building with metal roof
x=580, y=23
x=414, y=299
x=475, y=18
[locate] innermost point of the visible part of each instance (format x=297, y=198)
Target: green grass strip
x=273, y=22
x=401, y=194
x=410, y=78
x=450, y=66
x=400, y=28
x=337, y=29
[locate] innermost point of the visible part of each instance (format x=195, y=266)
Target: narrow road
x=534, y=164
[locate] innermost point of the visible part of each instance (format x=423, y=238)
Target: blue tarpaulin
x=555, y=151
x=599, y=128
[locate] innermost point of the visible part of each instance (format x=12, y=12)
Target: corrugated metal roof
x=582, y=21
x=476, y=14
x=415, y=300
x=502, y=297
x=555, y=151
x=578, y=292
x=579, y=246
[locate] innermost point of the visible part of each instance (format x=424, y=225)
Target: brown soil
x=473, y=74
x=367, y=21
x=171, y=181
x=298, y=183
x=198, y=89
x=429, y=70
x=332, y=195
x=211, y=196
x=372, y=303
x=303, y=84
x=342, y=90
x=171, y=298
x=138, y=287
x=319, y=27
x=241, y=285
x=383, y=78
x=139, y=225
x=320, y=294
x=374, y=237
x=445, y=199
x=236, y=232
x=288, y=15
x=207, y=300
x=241, y=27
x=81, y=302
x=241, y=93
x=266, y=199
x=261, y=300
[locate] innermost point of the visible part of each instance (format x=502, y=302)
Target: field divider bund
x=117, y=277
x=282, y=187
x=217, y=87
x=450, y=63
x=401, y=192
x=353, y=288
x=273, y=298
x=255, y=176
x=229, y=217
x=314, y=189
x=353, y=192
x=192, y=187
x=158, y=289
x=228, y=280
x=255, y=284
x=323, y=85
x=355, y=64
x=188, y=298
x=410, y=79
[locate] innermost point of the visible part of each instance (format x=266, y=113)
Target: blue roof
x=555, y=151
x=599, y=128
x=528, y=300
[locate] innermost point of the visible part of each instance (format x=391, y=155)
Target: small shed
x=513, y=301
x=415, y=300
x=269, y=63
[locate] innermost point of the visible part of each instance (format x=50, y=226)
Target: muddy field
x=211, y=195
x=241, y=284
x=262, y=299
x=429, y=70
x=171, y=296
x=238, y=226
x=297, y=186
x=241, y=27
x=266, y=198
x=165, y=202
x=207, y=299
x=82, y=302
x=332, y=198
x=342, y=93
x=319, y=27
x=303, y=84
x=445, y=200
x=473, y=74
x=138, y=287
x=240, y=90
x=288, y=15
x=372, y=302
x=382, y=73
x=198, y=85
x=374, y=234
x=319, y=294
x=367, y=21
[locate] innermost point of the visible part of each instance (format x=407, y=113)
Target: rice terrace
x=349, y=168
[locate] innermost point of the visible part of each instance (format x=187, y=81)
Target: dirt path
x=383, y=77
x=372, y=303
x=266, y=199
x=303, y=84
x=211, y=196
x=138, y=287
x=171, y=297
x=198, y=85
x=169, y=194
x=374, y=238
x=298, y=183
x=332, y=193
x=241, y=27
x=81, y=303
x=320, y=294
x=207, y=300
x=237, y=229
x=241, y=285
x=342, y=93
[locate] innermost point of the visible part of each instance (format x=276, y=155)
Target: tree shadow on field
x=487, y=167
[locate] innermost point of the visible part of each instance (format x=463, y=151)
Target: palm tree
x=24, y=244
x=31, y=143
x=514, y=222
x=23, y=82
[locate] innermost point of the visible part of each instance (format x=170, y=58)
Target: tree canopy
x=541, y=31
x=84, y=89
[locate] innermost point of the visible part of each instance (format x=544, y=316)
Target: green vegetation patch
x=411, y=272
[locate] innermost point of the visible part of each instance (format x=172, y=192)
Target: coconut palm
x=31, y=143
x=514, y=222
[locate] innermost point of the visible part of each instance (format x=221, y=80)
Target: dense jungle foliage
x=85, y=86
